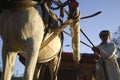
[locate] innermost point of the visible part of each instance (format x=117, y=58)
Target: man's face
x=105, y=37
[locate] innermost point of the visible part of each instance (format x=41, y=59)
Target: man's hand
x=97, y=50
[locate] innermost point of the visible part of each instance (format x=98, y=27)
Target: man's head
x=105, y=35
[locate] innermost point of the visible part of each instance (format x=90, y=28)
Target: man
x=107, y=54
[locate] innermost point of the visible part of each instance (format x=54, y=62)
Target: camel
x=23, y=31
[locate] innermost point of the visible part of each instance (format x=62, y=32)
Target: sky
x=109, y=19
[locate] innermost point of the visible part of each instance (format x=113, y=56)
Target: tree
x=116, y=39
x=1, y=67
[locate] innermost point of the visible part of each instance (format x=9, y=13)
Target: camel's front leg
x=52, y=66
x=8, y=59
x=37, y=71
x=33, y=46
